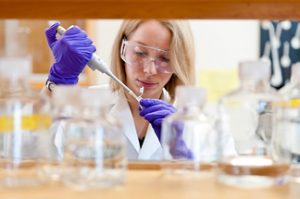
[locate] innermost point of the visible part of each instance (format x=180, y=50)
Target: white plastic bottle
x=24, y=122
x=188, y=135
x=247, y=114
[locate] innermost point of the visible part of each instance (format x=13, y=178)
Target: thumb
x=51, y=33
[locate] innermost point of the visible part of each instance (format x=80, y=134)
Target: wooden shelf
x=192, y=9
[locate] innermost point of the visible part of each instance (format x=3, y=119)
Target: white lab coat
x=151, y=148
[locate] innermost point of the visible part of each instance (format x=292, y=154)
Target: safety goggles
x=139, y=55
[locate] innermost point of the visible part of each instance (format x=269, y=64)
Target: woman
x=156, y=55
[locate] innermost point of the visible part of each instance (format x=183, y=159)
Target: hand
x=155, y=111
x=72, y=52
x=178, y=148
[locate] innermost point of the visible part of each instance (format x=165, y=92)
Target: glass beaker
x=188, y=135
x=287, y=125
x=247, y=114
x=24, y=121
x=94, y=147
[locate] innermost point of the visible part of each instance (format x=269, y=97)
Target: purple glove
x=178, y=148
x=72, y=52
x=155, y=111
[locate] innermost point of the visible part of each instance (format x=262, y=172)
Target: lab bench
x=146, y=180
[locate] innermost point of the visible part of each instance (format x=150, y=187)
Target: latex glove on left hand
x=155, y=111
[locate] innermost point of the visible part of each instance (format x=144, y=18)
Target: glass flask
x=94, y=146
x=247, y=114
x=188, y=135
x=286, y=142
x=24, y=122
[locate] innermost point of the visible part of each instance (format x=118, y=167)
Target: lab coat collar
x=165, y=96
x=150, y=145
x=121, y=110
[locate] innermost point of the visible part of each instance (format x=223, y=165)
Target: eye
x=140, y=53
x=163, y=59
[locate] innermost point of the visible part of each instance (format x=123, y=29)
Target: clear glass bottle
x=247, y=114
x=287, y=139
x=292, y=89
x=24, y=121
x=92, y=145
x=188, y=135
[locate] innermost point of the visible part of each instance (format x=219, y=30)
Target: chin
x=151, y=94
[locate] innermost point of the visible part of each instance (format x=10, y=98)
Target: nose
x=150, y=67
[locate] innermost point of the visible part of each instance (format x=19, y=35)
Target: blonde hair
x=181, y=54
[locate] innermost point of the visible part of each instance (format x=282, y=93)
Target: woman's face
x=147, y=72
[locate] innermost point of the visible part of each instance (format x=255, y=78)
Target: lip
x=146, y=84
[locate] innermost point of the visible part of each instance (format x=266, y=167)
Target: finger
x=87, y=51
x=51, y=33
x=155, y=115
x=72, y=30
x=158, y=121
x=146, y=102
x=155, y=108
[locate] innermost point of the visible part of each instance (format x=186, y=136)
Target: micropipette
x=96, y=63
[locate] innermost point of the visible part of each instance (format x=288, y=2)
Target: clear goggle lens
x=138, y=55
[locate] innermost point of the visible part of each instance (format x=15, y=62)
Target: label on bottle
x=294, y=102
x=9, y=123
x=291, y=103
